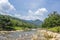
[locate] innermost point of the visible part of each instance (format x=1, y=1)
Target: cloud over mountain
x=6, y=8
x=39, y=14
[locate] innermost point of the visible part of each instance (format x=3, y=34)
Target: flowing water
x=22, y=35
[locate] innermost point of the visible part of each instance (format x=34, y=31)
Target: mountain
x=36, y=22
x=11, y=23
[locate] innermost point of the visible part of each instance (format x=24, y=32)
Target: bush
x=55, y=29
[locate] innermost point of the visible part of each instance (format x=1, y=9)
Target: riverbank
x=42, y=34
x=46, y=35
x=34, y=34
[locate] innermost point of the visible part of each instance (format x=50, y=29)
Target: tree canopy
x=52, y=20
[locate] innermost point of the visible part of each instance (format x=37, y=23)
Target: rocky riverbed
x=38, y=34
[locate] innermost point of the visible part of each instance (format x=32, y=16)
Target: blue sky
x=29, y=9
x=25, y=5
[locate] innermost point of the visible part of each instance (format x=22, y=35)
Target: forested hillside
x=12, y=23
x=52, y=22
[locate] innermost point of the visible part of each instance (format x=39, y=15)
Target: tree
x=52, y=20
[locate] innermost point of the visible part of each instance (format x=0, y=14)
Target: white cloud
x=41, y=11
x=39, y=14
x=5, y=6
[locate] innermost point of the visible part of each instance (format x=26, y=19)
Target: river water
x=22, y=35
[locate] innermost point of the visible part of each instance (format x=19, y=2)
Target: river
x=38, y=34
x=21, y=35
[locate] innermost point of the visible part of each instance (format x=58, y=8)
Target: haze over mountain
x=36, y=22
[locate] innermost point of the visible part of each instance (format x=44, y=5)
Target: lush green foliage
x=52, y=20
x=11, y=23
x=55, y=29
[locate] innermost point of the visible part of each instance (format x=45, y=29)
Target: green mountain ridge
x=11, y=23
x=36, y=22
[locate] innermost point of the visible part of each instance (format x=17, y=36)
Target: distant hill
x=12, y=23
x=36, y=22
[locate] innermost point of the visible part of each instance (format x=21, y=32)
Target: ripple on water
x=14, y=35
